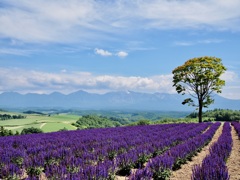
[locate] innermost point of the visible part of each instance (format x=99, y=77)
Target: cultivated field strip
x=214, y=165
x=233, y=162
x=161, y=166
x=186, y=170
x=138, y=152
x=236, y=126
x=90, y=154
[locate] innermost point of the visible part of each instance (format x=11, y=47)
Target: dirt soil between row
x=233, y=162
x=185, y=172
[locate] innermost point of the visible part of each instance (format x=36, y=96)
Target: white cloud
x=214, y=14
x=14, y=51
x=87, y=20
x=192, y=43
x=24, y=81
x=232, y=87
x=49, y=21
x=63, y=71
x=122, y=54
x=230, y=76
x=102, y=52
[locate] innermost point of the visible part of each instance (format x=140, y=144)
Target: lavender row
x=49, y=154
x=97, y=153
x=52, y=159
x=236, y=125
x=137, y=157
x=129, y=159
x=161, y=166
x=214, y=165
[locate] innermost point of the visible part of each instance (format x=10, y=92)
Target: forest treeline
x=94, y=121
x=8, y=116
x=31, y=130
x=219, y=115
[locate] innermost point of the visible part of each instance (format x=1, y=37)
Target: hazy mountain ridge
x=111, y=100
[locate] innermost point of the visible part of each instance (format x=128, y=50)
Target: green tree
x=94, y=121
x=199, y=77
x=143, y=122
x=31, y=130
x=5, y=132
x=2, y=131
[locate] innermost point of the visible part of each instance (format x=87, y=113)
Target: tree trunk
x=200, y=111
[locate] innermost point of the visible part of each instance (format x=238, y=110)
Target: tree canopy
x=199, y=77
x=8, y=116
x=94, y=121
x=31, y=130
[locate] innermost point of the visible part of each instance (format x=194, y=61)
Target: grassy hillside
x=45, y=122
x=70, y=120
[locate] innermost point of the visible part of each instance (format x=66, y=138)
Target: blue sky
x=116, y=45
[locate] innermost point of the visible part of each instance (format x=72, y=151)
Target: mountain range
x=125, y=100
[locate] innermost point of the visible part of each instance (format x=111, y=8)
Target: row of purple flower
x=97, y=153
x=161, y=166
x=214, y=165
x=236, y=125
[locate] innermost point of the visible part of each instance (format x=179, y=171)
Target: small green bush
x=31, y=130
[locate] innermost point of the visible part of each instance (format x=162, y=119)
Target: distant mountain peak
x=10, y=93
x=129, y=100
x=56, y=93
x=79, y=92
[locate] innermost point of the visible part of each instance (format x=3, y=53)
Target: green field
x=46, y=123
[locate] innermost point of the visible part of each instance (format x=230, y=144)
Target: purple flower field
x=103, y=154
